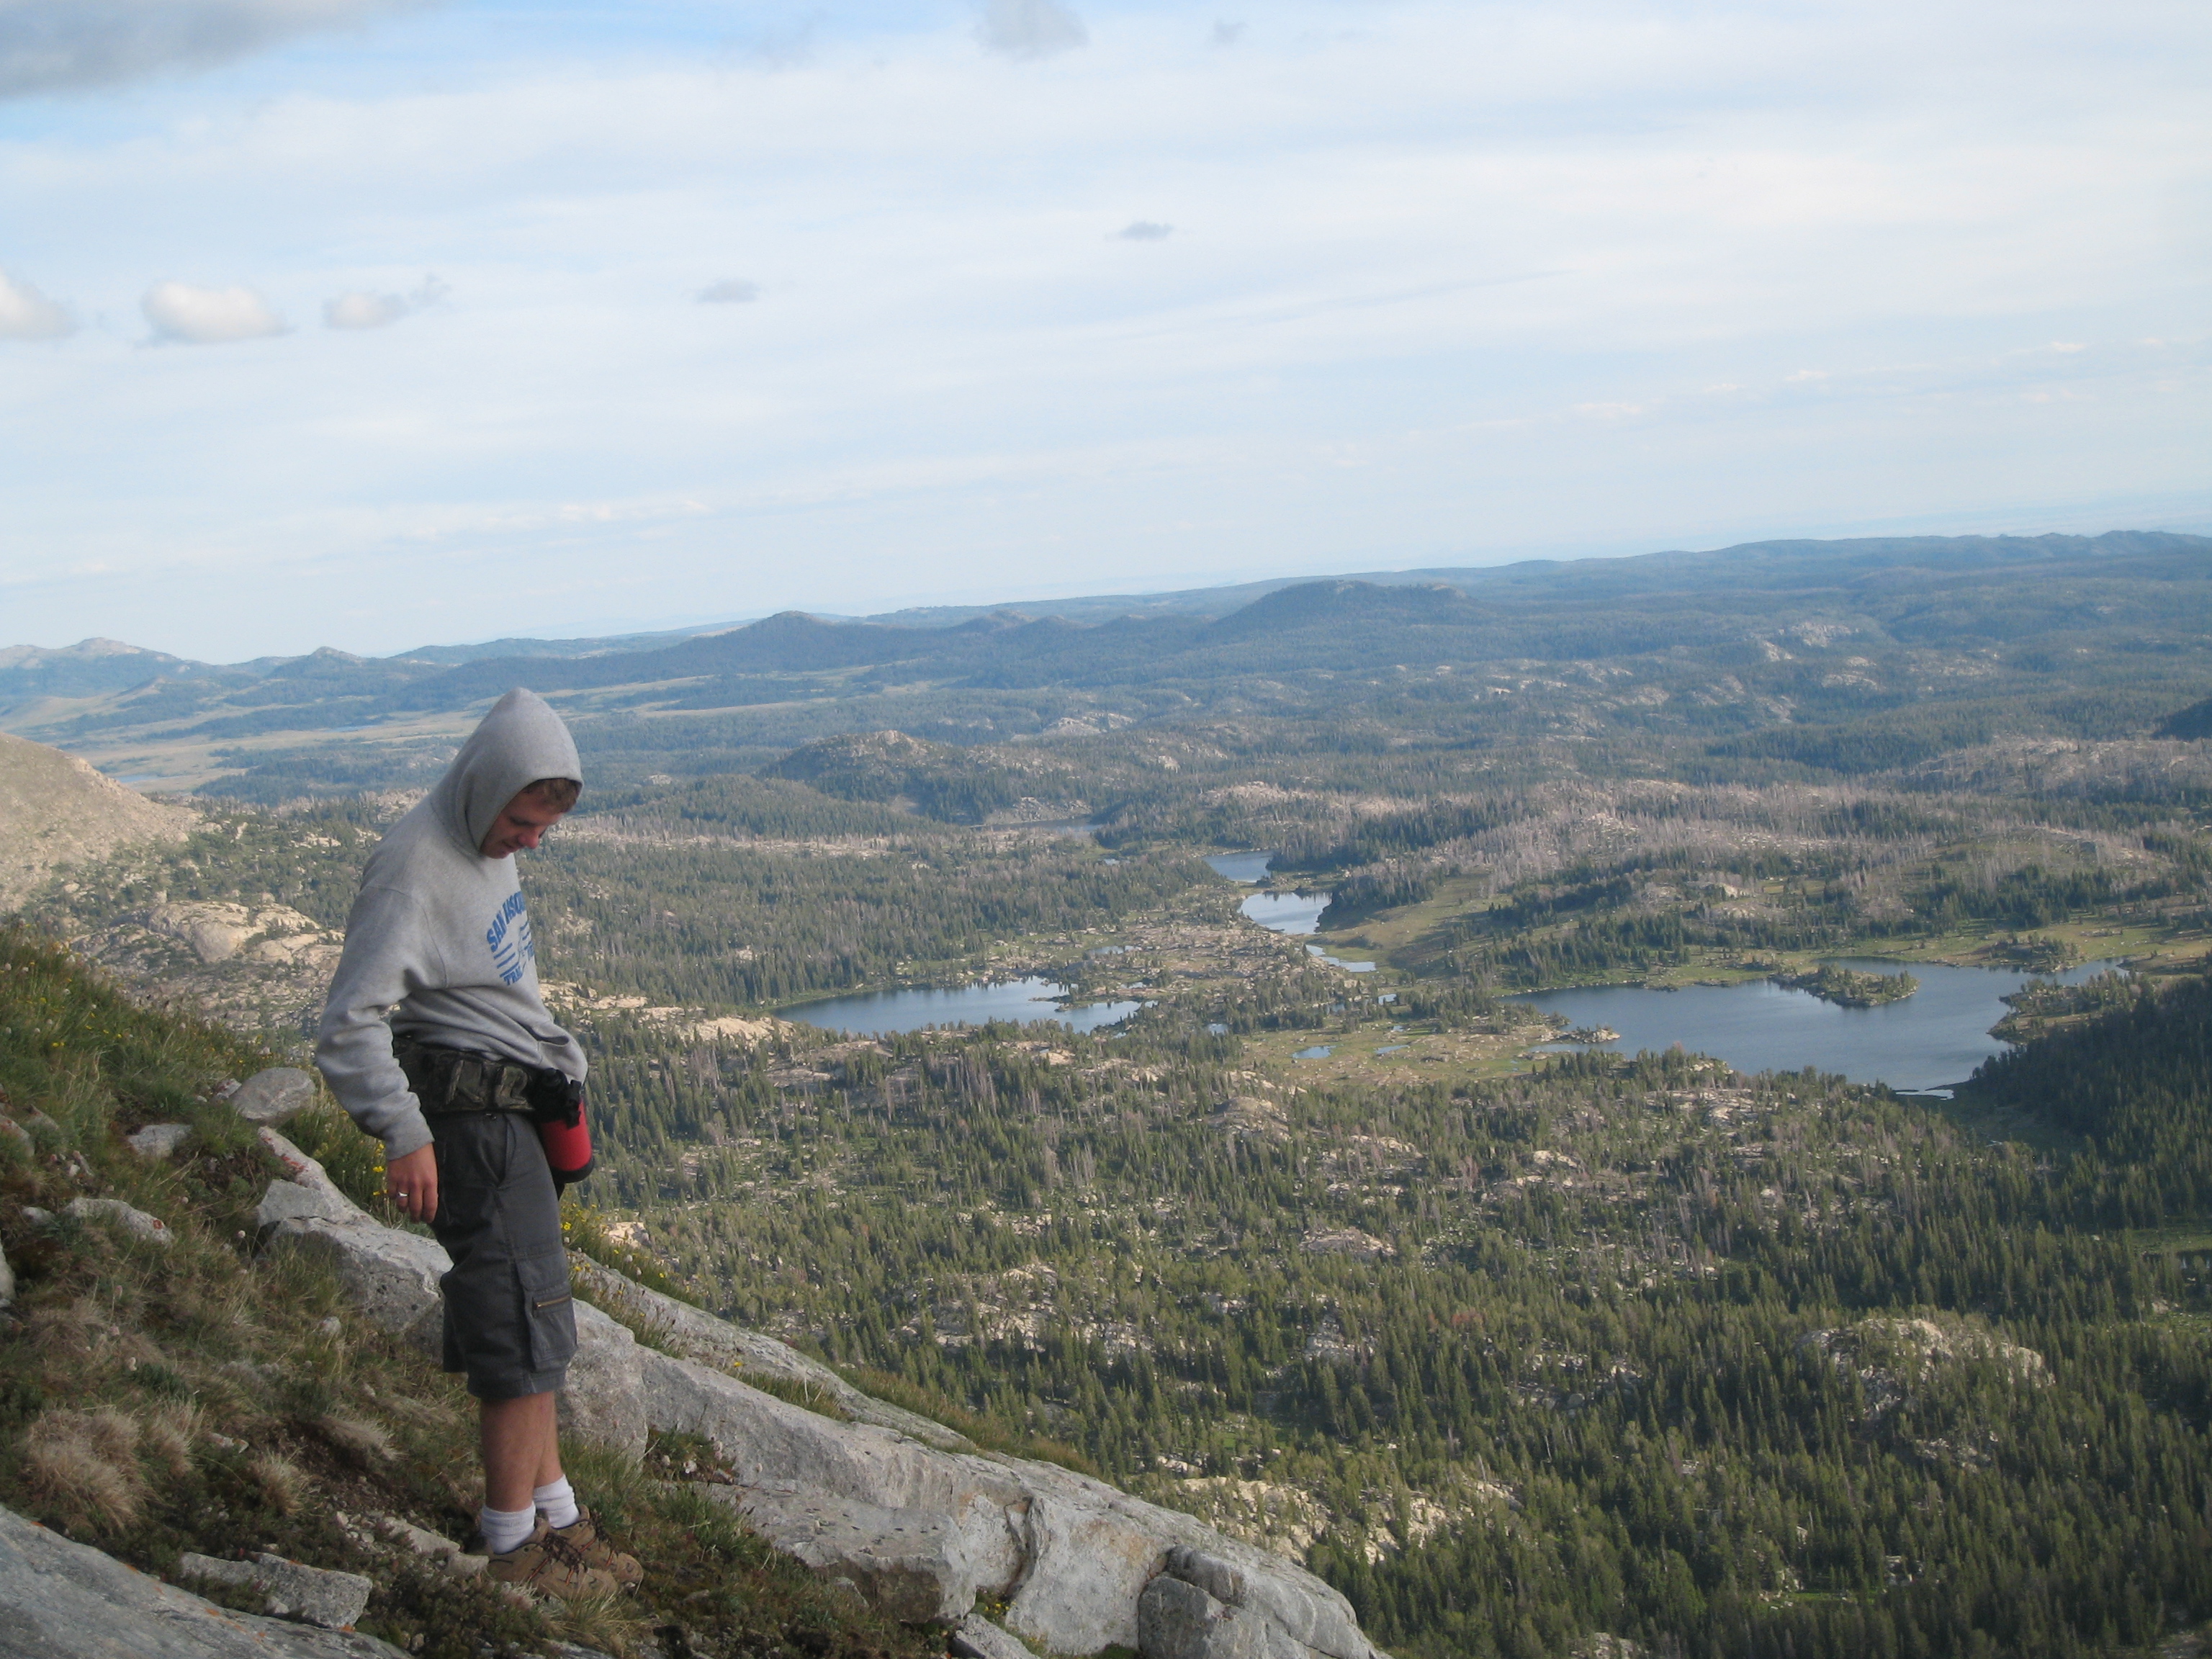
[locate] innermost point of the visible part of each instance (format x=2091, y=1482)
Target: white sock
x=556, y=1501
x=504, y=1529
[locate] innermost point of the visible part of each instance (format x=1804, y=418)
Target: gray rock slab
x=295, y=1591
x=1219, y=1578
x=391, y=1276
x=64, y=1601
x=287, y=1200
x=774, y=1445
x=603, y=1400
x=1088, y=1565
x=415, y=1541
x=271, y=1097
x=915, y=1566
x=7, y=1282
x=1179, y=1620
x=432, y=1546
x=1093, y=1550
x=304, y=1171
x=160, y=1139
x=1176, y=1621
x=694, y=1334
x=1309, y=1613
x=976, y=1638
x=1088, y=1550
x=115, y=1211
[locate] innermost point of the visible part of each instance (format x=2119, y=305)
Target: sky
x=378, y=323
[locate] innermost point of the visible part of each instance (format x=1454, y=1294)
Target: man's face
x=520, y=826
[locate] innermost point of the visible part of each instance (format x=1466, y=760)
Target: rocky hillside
x=216, y=1366
x=56, y=810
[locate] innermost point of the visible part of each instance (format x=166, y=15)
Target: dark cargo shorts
x=510, y=1325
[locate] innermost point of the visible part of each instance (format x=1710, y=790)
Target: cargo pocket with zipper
x=547, y=1309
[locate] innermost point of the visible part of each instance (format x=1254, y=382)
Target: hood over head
x=519, y=742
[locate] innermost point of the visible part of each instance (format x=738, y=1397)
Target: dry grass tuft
x=611, y=1624
x=283, y=1485
x=361, y=1439
x=168, y=1433
x=85, y=1466
x=71, y=1333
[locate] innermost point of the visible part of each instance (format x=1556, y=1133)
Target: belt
x=449, y=1080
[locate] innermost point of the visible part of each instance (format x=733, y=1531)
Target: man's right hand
x=411, y=1183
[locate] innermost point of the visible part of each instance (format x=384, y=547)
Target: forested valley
x=1522, y=1348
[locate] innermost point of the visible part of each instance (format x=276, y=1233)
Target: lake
x=1285, y=913
x=1932, y=1040
x=1296, y=913
x=1023, y=1000
x=1241, y=866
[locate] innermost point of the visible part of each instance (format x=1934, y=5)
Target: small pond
x=1931, y=1040
x=1020, y=999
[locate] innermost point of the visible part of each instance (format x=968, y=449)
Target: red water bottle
x=567, y=1141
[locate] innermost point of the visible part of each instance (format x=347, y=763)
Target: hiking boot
x=547, y=1565
x=581, y=1536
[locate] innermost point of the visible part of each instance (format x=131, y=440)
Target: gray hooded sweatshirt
x=438, y=945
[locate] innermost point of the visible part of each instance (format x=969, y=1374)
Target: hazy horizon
x=1039, y=601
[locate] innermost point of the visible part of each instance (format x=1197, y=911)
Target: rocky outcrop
x=912, y=1564
x=908, y=1514
x=1071, y=1555
x=976, y=1638
x=390, y=1275
x=680, y=1328
x=605, y=1399
x=59, y=1598
x=1176, y=1619
x=272, y=1096
x=215, y=932
x=132, y=1221
x=291, y=1588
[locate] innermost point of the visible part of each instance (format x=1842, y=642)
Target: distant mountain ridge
x=105, y=664
x=1726, y=642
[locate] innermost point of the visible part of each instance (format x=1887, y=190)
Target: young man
x=437, y=1041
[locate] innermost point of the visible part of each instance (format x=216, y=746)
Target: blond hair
x=558, y=794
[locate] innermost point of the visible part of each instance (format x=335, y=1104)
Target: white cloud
x=1144, y=230
x=730, y=291
x=1030, y=29
x=359, y=311
x=363, y=311
x=1227, y=35
x=208, y=316
x=60, y=46
x=28, y=314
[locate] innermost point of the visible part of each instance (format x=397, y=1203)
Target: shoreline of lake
x=1929, y=1042
x=1026, y=1002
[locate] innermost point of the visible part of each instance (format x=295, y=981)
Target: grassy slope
x=200, y=1397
